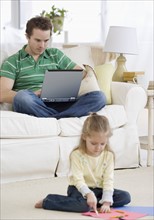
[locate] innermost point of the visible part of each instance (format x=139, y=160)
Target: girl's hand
x=92, y=201
x=105, y=207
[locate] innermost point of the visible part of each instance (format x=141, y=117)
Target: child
x=92, y=170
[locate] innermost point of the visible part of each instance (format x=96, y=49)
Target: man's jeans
x=74, y=201
x=27, y=102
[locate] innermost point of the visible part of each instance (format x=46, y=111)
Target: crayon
x=120, y=211
x=96, y=212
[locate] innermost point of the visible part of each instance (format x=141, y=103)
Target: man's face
x=38, y=41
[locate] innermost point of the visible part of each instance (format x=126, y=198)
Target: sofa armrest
x=132, y=96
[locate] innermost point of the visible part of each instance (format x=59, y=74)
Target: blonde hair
x=95, y=123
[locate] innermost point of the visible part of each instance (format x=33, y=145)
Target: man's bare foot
x=39, y=204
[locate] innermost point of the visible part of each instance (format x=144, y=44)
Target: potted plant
x=56, y=16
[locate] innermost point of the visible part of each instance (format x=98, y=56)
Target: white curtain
x=137, y=14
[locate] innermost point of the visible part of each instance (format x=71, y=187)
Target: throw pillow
x=104, y=75
x=89, y=82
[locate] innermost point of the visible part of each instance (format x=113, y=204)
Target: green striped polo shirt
x=29, y=74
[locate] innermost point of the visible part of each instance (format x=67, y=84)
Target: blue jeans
x=27, y=102
x=74, y=201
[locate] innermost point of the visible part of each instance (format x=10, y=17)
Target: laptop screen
x=61, y=85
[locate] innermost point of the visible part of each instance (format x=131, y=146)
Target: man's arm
x=6, y=92
x=77, y=67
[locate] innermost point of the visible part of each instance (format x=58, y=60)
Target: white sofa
x=33, y=148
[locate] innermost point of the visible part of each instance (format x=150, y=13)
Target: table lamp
x=122, y=40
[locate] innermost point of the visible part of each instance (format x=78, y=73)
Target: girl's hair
x=38, y=22
x=95, y=123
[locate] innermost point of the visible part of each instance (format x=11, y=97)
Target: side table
x=149, y=145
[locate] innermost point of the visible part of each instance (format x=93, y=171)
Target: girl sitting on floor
x=91, y=173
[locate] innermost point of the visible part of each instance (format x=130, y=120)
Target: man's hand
x=92, y=201
x=38, y=93
x=105, y=207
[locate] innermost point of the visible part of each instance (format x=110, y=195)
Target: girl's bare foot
x=39, y=204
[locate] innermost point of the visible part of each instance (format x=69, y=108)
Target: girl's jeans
x=27, y=102
x=74, y=201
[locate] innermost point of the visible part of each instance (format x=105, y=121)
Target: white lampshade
x=121, y=40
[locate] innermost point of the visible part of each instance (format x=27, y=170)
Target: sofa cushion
x=72, y=126
x=16, y=125
x=104, y=75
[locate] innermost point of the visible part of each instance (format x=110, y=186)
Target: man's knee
x=23, y=98
x=99, y=97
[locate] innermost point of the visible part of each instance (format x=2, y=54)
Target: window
x=138, y=14
x=82, y=21
x=5, y=17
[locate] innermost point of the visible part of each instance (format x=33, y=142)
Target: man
x=22, y=76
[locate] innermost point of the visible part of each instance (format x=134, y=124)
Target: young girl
x=92, y=170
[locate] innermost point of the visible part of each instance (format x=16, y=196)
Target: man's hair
x=38, y=22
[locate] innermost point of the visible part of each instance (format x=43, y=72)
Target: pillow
x=80, y=55
x=104, y=75
x=89, y=82
x=9, y=49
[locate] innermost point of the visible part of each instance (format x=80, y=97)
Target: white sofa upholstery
x=34, y=148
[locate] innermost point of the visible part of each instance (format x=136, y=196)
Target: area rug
x=18, y=198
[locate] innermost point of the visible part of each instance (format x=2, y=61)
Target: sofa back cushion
x=80, y=55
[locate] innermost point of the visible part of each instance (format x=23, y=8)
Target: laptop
x=61, y=85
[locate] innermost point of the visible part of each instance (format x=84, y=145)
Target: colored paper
x=149, y=210
x=116, y=214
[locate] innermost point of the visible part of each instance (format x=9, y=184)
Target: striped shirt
x=29, y=74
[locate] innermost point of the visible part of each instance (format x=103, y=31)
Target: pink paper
x=116, y=214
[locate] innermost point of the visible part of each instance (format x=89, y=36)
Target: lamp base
x=118, y=74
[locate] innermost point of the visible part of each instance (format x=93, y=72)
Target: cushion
x=12, y=40
x=89, y=82
x=18, y=125
x=104, y=75
x=116, y=115
x=80, y=55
